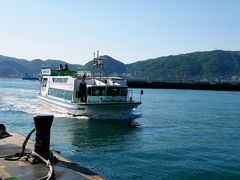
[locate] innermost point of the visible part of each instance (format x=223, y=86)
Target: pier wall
x=171, y=85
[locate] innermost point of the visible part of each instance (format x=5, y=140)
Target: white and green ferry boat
x=81, y=94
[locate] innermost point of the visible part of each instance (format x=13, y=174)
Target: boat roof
x=58, y=72
x=99, y=81
x=94, y=82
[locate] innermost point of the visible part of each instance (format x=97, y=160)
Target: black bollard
x=2, y=128
x=43, y=125
x=3, y=132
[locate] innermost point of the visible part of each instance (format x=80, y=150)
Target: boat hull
x=92, y=109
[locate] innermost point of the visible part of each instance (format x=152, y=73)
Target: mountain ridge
x=195, y=65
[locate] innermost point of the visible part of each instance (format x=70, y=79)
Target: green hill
x=111, y=66
x=197, y=65
x=191, y=66
x=13, y=67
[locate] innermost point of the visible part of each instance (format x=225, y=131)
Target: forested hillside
x=197, y=65
x=13, y=67
x=192, y=66
x=111, y=66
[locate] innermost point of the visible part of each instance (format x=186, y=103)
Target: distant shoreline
x=193, y=86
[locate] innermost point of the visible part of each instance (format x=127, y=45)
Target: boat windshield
x=97, y=91
x=107, y=91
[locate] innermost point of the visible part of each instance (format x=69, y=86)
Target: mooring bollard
x=3, y=132
x=43, y=125
x=2, y=128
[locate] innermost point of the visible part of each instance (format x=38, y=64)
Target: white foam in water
x=23, y=100
x=129, y=116
x=80, y=117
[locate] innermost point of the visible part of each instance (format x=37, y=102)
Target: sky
x=127, y=30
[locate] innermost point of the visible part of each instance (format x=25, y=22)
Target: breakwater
x=178, y=85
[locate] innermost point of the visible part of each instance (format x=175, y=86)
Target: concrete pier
x=179, y=85
x=64, y=169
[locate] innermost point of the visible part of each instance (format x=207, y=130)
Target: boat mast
x=94, y=64
x=97, y=64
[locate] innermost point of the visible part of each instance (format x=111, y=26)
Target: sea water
x=178, y=134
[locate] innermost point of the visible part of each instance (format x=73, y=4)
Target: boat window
x=60, y=93
x=60, y=80
x=44, y=82
x=97, y=91
x=89, y=91
x=113, y=91
x=124, y=91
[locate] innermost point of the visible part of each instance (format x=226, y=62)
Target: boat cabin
x=67, y=86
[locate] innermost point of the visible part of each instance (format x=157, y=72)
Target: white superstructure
x=85, y=95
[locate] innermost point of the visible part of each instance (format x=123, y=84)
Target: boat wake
x=22, y=100
x=126, y=117
x=25, y=101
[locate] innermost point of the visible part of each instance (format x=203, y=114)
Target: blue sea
x=177, y=134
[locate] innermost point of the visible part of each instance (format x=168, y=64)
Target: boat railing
x=63, y=73
x=133, y=96
x=130, y=95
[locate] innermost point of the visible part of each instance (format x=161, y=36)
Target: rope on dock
x=32, y=155
x=17, y=156
x=49, y=165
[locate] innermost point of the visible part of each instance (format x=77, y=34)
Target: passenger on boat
x=65, y=67
x=83, y=89
x=60, y=67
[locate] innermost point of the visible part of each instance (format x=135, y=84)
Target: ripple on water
x=179, y=135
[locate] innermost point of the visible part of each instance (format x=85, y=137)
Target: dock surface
x=64, y=169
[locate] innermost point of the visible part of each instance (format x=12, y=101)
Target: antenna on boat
x=94, y=64
x=98, y=64
x=97, y=53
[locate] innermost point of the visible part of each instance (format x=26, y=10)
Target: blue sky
x=127, y=30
